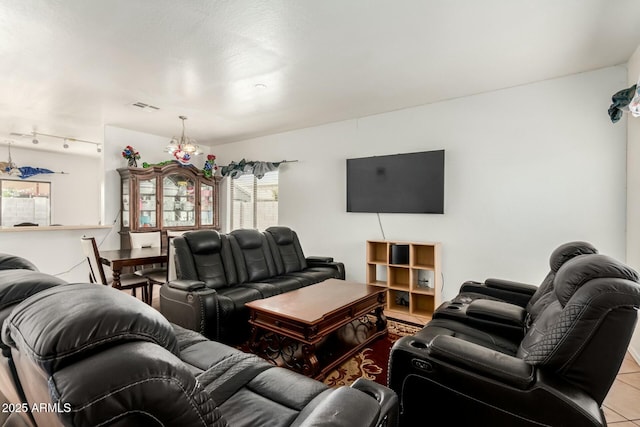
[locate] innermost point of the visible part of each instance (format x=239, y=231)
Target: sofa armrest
x=505, y=290
x=345, y=407
x=187, y=285
x=191, y=306
x=497, y=312
x=314, y=261
x=511, y=286
x=483, y=361
x=322, y=259
x=386, y=398
x=497, y=317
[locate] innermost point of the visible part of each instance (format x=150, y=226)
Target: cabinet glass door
x=206, y=204
x=178, y=201
x=148, y=202
x=126, y=213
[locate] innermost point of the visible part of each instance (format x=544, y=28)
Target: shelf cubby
x=399, y=277
x=423, y=256
x=377, y=252
x=377, y=274
x=422, y=305
x=398, y=301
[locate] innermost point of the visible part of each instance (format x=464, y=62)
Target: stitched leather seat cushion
x=316, y=274
x=266, y=289
x=233, y=299
x=286, y=283
x=115, y=318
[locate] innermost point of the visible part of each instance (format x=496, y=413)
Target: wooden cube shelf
x=412, y=289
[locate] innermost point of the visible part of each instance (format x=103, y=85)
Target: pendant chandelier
x=184, y=147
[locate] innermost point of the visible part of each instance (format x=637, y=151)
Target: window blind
x=254, y=202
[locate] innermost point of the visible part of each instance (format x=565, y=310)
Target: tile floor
x=622, y=404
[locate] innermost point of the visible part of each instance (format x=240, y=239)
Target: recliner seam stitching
x=163, y=378
x=530, y=377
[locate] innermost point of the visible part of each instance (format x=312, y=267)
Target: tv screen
x=399, y=183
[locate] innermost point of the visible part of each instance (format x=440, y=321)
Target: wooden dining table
x=117, y=259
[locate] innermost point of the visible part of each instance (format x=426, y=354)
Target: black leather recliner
x=217, y=274
x=83, y=355
x=558, y=374
x=522, y=293
x=502, y=307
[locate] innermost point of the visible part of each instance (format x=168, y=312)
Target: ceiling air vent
x=145, y=107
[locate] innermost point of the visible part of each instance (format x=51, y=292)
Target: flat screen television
x=399, y=183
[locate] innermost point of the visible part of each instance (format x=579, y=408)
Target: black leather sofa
x=218, y=273
x=87, y=355
x=555, y=372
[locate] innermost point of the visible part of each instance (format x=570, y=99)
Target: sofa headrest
x=63, y=324
x=583, y=268
x=281, y=235
x=565, y=252
x=18, y=285
x=203, y=242
x=12, y=262
x=247, y=238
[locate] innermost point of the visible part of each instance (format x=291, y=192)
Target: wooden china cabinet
x=170, y=197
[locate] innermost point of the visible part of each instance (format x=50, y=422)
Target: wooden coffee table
x=300, y=329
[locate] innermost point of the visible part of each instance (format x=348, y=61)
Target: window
x=254, y=202
x=25, y=202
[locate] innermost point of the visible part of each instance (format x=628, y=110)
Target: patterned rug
x=371, y=362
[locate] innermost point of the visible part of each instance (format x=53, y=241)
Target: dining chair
x=97, y=274
x=171, y=261
x=156, y=274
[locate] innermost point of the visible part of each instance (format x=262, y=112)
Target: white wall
x=633, y=188
x=527, y=168
x=81, y=181
x=151, y=149
x=75, y=200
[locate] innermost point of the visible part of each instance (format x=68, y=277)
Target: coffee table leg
x=254, y=342
x=381, y=319
x=311, y=365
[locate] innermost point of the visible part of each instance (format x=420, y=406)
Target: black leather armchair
x=479, y=307
x=518, y=293
x=557, y=374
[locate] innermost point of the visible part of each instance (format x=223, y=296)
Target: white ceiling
x=69, y=67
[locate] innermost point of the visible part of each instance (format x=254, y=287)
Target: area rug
x=373, y=360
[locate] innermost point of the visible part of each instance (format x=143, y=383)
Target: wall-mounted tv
x=399, y=183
